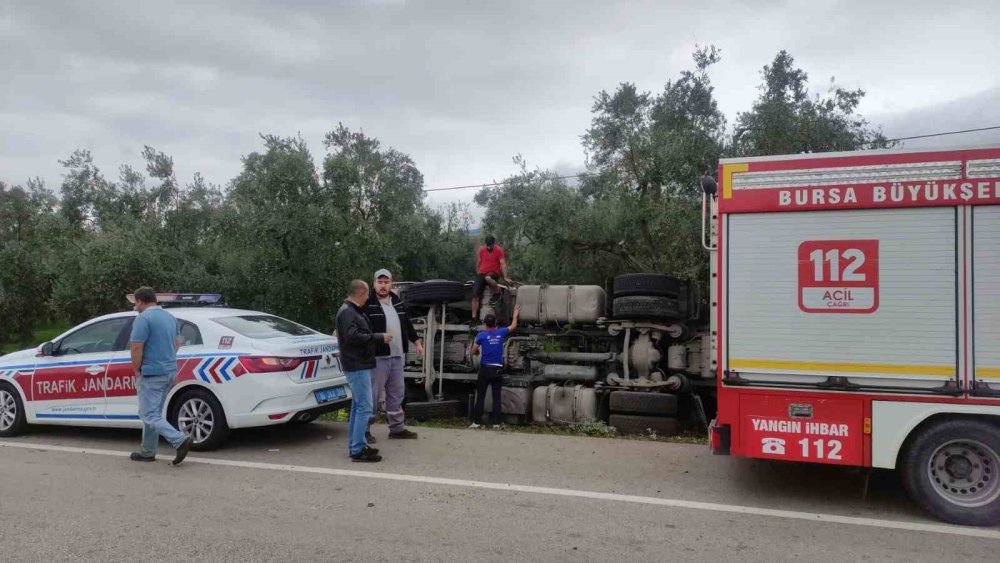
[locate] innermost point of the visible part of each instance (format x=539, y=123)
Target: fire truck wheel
x=644, y=307
x=431, y=292
x=952, y=469
x=657, y=285
x=12, y=421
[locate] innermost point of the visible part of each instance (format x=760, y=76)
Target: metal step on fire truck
x=856, y=317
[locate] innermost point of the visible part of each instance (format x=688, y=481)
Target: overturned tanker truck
x=638, y=361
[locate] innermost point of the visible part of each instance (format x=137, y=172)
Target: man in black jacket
x=388, y=315
x=357, y=356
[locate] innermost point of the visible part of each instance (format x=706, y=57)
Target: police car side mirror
x=46, y=349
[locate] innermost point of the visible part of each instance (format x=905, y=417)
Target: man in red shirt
x=491, y=265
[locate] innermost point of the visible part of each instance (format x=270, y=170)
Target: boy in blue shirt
x=490, y=341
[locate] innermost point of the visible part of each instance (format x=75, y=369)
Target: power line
x=943, y=134
x=505, y=182
x=585, y=174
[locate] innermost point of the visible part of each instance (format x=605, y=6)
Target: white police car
x=235, y=369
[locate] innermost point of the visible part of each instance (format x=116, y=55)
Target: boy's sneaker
x=498, y=426
x=404, y=434
x=474, y=425
x=139, y=456
x=367, y=454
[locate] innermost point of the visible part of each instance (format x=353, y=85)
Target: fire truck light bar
x=910, y=172
x=988, y=168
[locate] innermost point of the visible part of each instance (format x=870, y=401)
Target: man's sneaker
x=474, y=425
x=136, y=456
x=404, y=434
x=182, y=450
x=369, y=438
x=367, y=455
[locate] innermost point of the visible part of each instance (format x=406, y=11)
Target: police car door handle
x=94, y=370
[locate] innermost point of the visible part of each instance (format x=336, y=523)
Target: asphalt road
x=453, y=495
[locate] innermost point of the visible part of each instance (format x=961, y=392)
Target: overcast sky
x=460, y=86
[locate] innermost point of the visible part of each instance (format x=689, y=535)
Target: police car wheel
x=952, y=469
x=198, y=414
x=12, y=421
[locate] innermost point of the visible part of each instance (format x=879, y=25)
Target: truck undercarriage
x=639, y=361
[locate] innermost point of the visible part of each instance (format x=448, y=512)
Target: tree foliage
x=289, y=231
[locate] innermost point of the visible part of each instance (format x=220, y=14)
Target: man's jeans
x=152, y=396
x=361, y=408
x=388, y=388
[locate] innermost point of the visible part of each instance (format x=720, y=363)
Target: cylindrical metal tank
x=563, y=404
x=563, y=304
x=567, y=372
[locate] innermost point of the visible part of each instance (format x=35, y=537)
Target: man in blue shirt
x=490, y=341
x=154, y=343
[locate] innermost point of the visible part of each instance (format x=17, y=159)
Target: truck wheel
x=12, y=421
x=198, y=414
x=952, y=470
x=645, y=307
x=639, y=402
x=657, y=285
x=635, y=424
x=431, y=292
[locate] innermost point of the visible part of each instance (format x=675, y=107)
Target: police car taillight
x=269, y=364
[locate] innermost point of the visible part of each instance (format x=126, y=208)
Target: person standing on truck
x=153, y=343
x=387, y=314
x=357, y=355
x=491, y=266
x=491, y=341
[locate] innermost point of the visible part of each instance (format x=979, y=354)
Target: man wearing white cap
x=388, y=314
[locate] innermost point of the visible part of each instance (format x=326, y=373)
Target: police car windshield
x=263, y=326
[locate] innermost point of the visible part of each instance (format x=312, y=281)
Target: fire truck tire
x=12, y=420
x=647, y=403
x=657, y=285
x=952, y=470
x=635, y=424
x=431, y=292
x=646, y=307
x=199, y=414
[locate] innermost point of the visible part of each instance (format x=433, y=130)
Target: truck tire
x=646, y=307
x=952, y=470
x=423, y=411
x=635, y=424
x=657, y=285
x=647, y=403
x=431, y=292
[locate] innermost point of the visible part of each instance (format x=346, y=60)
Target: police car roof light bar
x=172, y=299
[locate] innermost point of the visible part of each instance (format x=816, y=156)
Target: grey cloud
x=461, y=86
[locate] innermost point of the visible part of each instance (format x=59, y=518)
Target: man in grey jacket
x=357, y=355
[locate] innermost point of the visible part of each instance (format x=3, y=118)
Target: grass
x=43, y=333
x=594, y=428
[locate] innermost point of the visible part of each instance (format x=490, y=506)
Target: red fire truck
x=856, y=317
